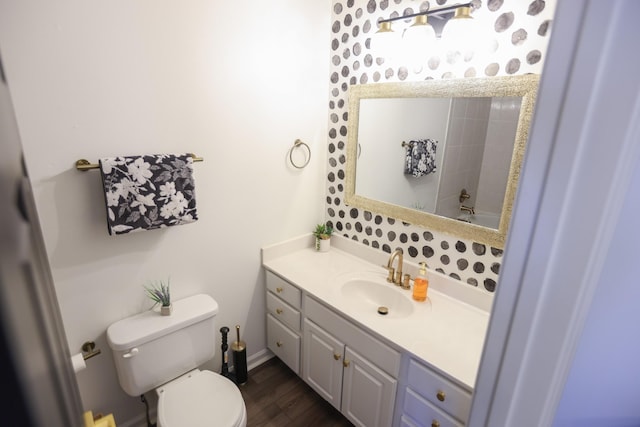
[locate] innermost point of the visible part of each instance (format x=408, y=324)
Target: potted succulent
x=323, y=236
x=159, y=294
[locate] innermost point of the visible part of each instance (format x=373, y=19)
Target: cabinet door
x=284, y=343
x=368, y=393
x=322, y=363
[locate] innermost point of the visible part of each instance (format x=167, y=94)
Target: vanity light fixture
x=421, y=35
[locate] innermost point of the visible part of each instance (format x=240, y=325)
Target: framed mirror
x=442, y=154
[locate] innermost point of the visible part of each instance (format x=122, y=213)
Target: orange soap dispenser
x=421, y=284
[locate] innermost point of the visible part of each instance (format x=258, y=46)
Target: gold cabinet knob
x=346, y=363
x=279, y=343
x=337, y=356
x=440, y=395
x=279, y=310
x=278, y=290
x=435, y=423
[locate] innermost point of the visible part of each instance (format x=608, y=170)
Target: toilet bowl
x=201, y=399
x=164, y=353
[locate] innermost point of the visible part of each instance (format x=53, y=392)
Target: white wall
x=233, y=84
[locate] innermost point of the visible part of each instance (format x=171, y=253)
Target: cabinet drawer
x=424, y=412
x=283, y=311
x=441, y=392
x=284, y=343
x=283, y=290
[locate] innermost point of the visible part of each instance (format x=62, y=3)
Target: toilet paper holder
x=89, y=350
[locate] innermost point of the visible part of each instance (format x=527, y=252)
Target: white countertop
x=447, y=331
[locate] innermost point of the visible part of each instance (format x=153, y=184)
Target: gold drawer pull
x=279, y=343
x=278, y=290
x=346, y=363
x=279, y=310
x=337, y=356
x=435, y=423
x=440, y=395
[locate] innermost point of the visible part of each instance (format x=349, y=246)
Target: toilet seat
x=201, y=399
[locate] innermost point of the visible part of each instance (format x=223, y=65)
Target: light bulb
x=459, y=33
x=385, y=41
x=418, y=41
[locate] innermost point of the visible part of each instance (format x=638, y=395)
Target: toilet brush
x=239, y=349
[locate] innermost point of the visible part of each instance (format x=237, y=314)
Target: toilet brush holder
x=225, y=355
x=239, y=349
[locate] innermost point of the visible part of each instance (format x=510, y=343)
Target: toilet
x=163, y=353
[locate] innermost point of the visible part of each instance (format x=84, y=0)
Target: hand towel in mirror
x=420, y=157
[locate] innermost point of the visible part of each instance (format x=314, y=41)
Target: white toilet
x=163, y=353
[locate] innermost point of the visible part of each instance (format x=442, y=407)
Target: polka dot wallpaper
x=514, y=35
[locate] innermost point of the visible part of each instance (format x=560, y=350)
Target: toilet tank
x=150, y=349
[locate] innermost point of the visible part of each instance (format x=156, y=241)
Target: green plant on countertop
x=323, y=231
x=159, y=293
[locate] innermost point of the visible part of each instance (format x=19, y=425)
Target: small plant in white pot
x=323, y=237
x=160, y=294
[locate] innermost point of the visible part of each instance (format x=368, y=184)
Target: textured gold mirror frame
x=525, y=86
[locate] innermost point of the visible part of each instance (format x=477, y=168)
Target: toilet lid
x=205, y=399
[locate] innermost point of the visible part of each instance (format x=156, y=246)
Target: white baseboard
x=259, y=358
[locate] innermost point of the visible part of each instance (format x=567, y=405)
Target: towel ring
x=297, y=144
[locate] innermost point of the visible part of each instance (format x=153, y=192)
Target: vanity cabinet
x=368, y=380
x=283, y=321
x=430, y=399
x=337, y=363
x=347, y=380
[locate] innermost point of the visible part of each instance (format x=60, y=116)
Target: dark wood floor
x=276, y=397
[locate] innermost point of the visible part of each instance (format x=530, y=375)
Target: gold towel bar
x=84, y=164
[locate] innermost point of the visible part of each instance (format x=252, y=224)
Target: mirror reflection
x=445, y=156
x=442, y=154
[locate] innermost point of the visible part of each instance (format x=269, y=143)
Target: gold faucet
x=395, y=275
x=467, y=209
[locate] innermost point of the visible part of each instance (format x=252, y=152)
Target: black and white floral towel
x=421, y=157
x=147, y=192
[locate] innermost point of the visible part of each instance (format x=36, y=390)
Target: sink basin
x=369, y=295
